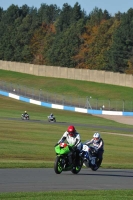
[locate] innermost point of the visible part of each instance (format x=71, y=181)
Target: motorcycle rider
x=51, y=116
x=25, y=113
x=98, y=145
x=73, y=138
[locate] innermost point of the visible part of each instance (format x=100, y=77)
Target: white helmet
x=96, y=137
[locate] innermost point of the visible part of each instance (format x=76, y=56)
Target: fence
x=88, y=102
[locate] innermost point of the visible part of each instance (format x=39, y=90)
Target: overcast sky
x=112, y=6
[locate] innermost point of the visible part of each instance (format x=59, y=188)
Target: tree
x=66, y=45
x=41, y=42
x=121, y=49
x=96, y=41
x=48, y=14
x=97, y=15
x=64, y=19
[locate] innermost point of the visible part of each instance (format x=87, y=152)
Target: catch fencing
x=79, y=102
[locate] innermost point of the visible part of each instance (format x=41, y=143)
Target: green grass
x=73, y=195
x=13, y=108
x=70, y=87
x=31, y=144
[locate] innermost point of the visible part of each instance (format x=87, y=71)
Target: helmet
x=25, y=111
x=71, y=130
x=96, y=137
x=51, y=114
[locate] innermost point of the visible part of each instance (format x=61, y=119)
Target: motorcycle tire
x=58, y=168
x=77, y=167
x=96, y=167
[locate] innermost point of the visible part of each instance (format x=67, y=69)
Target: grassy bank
x=70, y=87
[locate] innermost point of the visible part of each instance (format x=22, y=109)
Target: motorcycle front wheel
x=96, y=167
x=58, y=165
x=77, y=167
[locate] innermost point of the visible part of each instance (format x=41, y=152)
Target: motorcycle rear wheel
x=58, y=168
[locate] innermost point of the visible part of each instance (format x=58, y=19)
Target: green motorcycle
x=62, y=161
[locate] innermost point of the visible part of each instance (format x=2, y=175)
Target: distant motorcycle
x=90, y=158
x=25, y=117
x=51, y=119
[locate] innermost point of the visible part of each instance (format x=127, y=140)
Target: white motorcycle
x=90, y=158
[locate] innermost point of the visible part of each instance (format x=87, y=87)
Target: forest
x=67, y=37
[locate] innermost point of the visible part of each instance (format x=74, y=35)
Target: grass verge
x=73, y=195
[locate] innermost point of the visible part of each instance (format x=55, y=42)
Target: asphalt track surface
x=75, y=124
x=45, y=179
x=35, y=180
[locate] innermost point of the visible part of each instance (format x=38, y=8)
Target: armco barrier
x=56, y=106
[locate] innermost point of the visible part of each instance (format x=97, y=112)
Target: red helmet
x=71, y=130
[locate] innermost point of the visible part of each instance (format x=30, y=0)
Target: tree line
x=67, y=37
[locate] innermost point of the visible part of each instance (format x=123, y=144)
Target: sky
x=112, y=6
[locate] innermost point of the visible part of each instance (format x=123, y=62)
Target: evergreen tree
x=122, y=45
x=48, y=14
x=64, y=19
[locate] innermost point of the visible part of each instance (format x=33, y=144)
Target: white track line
x=126, y=135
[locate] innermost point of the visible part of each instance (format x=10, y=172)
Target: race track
x=35, y=180
x=44, y=179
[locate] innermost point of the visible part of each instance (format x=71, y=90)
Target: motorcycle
x=62, y=162
x=25, y=117
x=51, y=119
x=90, y=158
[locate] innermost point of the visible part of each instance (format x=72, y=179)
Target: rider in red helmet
x=71, y=130
x=73, y=138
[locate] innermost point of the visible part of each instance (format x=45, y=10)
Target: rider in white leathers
x=73, y=138
x=98, y=144
x=51, y=116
